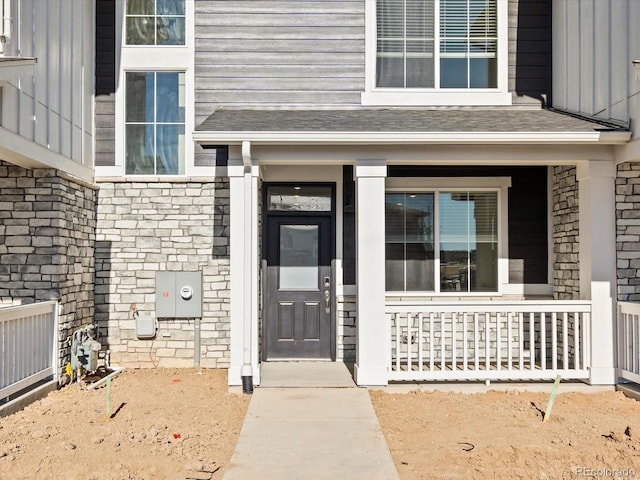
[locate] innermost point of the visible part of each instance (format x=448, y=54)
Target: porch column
x=596, y=180
x=372, y=337
x=243, y=212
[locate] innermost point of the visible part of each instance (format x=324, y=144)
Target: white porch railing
x=492, y=340
x=629, y=341
x=28, y=346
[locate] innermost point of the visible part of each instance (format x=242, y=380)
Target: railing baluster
x=636, y=343
x=431, y=339
x=532, y=341
x=465, y=346
x=586, y=347
x=498, y=342
x=543, y=341
x=476, y=340
x=521, y=340
x=509, y=341
x=454, y=319
x=398, y=333
x=487, y=341
x=554, y=340
x=576, y=340
x=420, y=346
x=409, y=342
x=565, y=340
x=442, y=342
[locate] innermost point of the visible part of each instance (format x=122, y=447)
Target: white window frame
x=154, y=58
x=437, y=185
x=155, y=32
x=374, y=95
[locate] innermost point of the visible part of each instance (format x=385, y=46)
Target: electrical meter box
x=179, y=294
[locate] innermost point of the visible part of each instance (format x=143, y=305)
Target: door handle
x=327, y=294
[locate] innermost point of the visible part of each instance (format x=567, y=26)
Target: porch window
x=155, y=22
x=155, y=123
x=442, y=241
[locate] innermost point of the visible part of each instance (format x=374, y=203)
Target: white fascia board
x=29, y=154
x=411, y=137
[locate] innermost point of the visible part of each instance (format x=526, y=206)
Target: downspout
x=5, y=25
x=246, y=372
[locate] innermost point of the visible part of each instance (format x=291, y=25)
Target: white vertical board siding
x=278, y=52
x=594, y=43
x=48, y=107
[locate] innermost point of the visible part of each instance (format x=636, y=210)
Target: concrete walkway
x=311, y=433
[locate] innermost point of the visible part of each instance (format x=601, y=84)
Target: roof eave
x=341, y=138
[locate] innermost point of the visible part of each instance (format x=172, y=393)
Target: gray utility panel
x=179, y=294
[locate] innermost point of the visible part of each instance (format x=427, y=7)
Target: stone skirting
x=146, y=227
x=47, y=237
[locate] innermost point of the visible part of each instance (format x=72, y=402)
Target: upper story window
x=437, y=52
x=155, y=22
x=411, y=55
x=155, y=123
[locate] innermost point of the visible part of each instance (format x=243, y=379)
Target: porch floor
x=305, y=374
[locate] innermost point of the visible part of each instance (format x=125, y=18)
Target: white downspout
x=246, y=371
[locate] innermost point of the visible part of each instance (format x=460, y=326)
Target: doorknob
x=327, y=294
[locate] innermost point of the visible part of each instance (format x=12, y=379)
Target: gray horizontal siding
x=290, y=52
x=105, y=121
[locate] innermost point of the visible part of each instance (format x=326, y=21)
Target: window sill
x=439, y=98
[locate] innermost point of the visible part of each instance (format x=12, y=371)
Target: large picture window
x=155, y=22
x=436, y=44
x=442, y=241
x=155, y=123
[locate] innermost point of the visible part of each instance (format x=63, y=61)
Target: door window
x=299, y=257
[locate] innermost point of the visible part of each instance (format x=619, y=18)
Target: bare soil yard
x=500, y=435
x=183, y=424
x=167, y=424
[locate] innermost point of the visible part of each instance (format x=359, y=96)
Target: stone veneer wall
x=628, y=231
x=566, y=247
x=146, y=227
x=346, y=324
x=47, y=237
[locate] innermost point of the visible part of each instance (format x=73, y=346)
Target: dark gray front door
x=299, y=289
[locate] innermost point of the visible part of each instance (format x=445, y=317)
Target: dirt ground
x=166, y=424
x=183, y=424
x=500, y=435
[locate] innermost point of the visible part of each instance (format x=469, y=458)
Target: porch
x=472, y=284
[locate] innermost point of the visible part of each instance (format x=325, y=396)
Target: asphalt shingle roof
x=396, y=120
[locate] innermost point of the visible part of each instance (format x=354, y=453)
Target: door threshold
x=306, y=374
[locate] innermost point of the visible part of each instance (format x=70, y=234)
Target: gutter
x=604, y=137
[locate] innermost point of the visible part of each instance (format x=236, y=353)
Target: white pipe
x=246, y=371
x=5, y=25
x=115, y=371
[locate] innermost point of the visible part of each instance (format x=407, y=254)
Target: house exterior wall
x=47, y=240
x=309, y=53
x=594, y=43
x=53, y=105
x=628, y=231
x=150, y=226
x=566, y=246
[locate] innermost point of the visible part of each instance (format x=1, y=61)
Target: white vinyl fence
x=493, y=340
x=28, y=346
x=629, y=341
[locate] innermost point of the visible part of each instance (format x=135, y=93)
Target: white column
x=596, y=180
x=372, y=335
x=243, y=199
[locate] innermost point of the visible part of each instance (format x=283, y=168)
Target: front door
x=299, y=291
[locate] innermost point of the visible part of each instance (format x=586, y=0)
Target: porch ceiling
x=374, y=125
